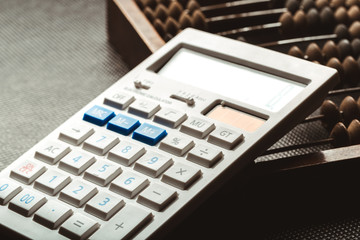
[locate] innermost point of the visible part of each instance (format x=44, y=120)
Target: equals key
x=78, y=226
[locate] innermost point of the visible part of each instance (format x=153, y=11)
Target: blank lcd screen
x=259, y=89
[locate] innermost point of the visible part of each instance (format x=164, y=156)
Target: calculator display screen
x=260, y=89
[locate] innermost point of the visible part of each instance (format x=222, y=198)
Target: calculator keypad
x=135, y=161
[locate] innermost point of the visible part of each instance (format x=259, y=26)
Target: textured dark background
x=54, y=58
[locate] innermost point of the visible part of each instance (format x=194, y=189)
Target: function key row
x=151, y=134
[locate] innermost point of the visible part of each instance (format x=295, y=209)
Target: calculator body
x=199, y=105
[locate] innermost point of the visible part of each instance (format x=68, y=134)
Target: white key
x=8, y=190
x=27, y=202
x=197, y=127
x=104, y=205
x=52, y=151
x=181, y=175
x=76, y=162
x=204, y=155
x=51, y=182
x=129, y=184
x=76, y=133
x=52, y=214
x=144, y=108
x=157, y=197
x=102, y=172
x=153, y=164
x=170, y=117
x=119, y=100
x=225, y=138
x=78, y=227
x=27, y=171
x=100, y=142
x=77, y=193
x=176, y=144
x=129, y=220
x=126, y=153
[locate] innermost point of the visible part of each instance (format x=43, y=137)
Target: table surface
x=54, y=58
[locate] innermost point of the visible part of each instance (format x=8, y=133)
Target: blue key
x=123, y=124
x=149, y=134
x=98, y=115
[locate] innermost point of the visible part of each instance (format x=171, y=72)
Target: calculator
x=146, y=152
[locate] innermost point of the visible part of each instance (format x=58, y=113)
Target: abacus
x=322, y=31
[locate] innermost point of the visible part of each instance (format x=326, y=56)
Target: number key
x=8, y=190
x=77, y=193
x=126, y=153
x=76, y=162
x=27, y=202
x=102, y=172
x=51, y=182
x=129, y=184
x=104, y=205
x=100, y=143
x=153, y=164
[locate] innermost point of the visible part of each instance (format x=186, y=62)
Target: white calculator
x=141, y=156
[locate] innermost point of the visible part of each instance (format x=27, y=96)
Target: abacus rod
x=298, y=146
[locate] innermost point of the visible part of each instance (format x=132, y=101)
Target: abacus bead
x=335, y=63
x=349, y=3
x=336, y=3
x=327, y=17
x=341, y=15
x=354, y=132
x=358, y=62
x=161, y=12
x=352, y=70
x=300, y=20
x=149, y=3
x=307, y=4
x=313, y=18
x=341, y=31
x=340, y=135
x=292, y=5
x=296, y=52
x=344, y=47
x=175, y=9
x=287, y=22
x=199, y=20
x=171, y=26
x=354, y=29
x=354, y=13
x=349, y=109
x=331, y=114
x=330, y=50
x=149, y=14
x=355, y=45
x=159, y=27
x=192, y=6
x=185, y=20
x=321, y=3
x=313, y=53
